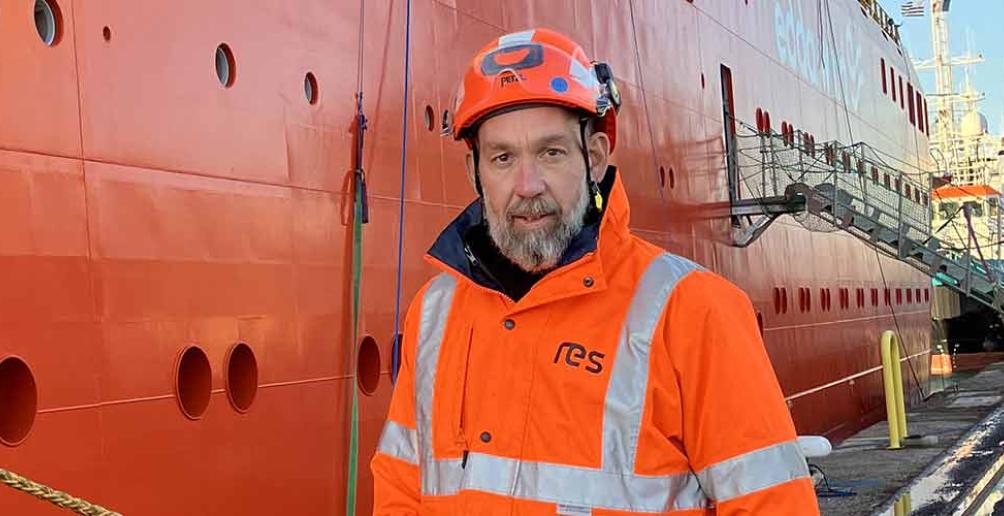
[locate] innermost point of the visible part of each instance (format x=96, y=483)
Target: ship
x=966, y=198
x=214, y=213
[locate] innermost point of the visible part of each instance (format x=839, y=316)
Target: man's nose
x=529, y=182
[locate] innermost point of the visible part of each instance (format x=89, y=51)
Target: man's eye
x=501, y=159
x=554, y=153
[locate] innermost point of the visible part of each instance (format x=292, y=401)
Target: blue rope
x=396, y=349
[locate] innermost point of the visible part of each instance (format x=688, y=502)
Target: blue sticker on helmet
x=559, y=85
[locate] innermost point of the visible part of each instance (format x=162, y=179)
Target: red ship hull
x=146, y=208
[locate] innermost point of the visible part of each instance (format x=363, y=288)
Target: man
x=560, y=364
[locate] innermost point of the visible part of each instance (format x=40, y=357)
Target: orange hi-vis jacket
x=628, y=381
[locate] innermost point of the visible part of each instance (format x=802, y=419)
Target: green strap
x=357, y=252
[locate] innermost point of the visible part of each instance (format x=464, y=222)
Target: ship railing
x=873, y=10
x=854, y=188
x=769, y=163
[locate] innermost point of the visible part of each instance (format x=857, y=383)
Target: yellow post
x=897, y=374
x=892, y=379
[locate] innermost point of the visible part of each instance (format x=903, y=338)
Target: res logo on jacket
x=575, y=353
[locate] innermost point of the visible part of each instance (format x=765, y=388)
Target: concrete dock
x=952, y=464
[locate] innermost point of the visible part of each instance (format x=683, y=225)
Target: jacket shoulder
x=705, y=287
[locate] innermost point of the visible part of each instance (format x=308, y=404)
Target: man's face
x=533, y=178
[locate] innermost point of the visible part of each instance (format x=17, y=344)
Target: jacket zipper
x=461, y=427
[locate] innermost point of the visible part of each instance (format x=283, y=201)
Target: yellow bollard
x=902, y=506
x=892, y=379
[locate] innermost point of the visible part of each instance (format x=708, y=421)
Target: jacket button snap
x=509, y=324
x=587, y=281
x=486, y=437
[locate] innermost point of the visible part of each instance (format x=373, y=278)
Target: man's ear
x=469, y=163
x=599, y=155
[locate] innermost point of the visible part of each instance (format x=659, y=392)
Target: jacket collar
x=451, y=253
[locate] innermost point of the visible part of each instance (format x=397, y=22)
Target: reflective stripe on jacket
x=630, y=381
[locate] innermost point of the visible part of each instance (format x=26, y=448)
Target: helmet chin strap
x=476, y=156
x=477, y=172
x=595, y=207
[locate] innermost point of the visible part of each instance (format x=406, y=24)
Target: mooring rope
x=59, y=498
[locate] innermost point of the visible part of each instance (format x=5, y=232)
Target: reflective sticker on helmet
x=516, y=57
x=559, y=85
x=516, y=38
x=582, y=75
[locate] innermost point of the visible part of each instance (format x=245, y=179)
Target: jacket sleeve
x=397, y=487
x=737, y=432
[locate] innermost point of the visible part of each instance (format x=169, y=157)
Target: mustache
x=534, y=207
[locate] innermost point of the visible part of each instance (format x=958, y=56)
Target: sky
x=978, y=21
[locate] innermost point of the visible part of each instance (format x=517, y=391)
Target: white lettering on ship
x=801, y=46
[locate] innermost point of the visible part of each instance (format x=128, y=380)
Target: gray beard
x=540, y=249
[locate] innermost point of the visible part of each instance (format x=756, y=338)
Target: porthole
x=430, y=118
x=445, y=125
x=226, y=67
x=19, y=397
x=368, y=366
x=885, y=87
x=193, y=382
x=242, y=376
x=310, y=88
x=48, y=21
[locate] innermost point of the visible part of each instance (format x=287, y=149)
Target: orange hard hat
x=533, y=67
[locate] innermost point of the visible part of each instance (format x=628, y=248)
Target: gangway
x=853, y=188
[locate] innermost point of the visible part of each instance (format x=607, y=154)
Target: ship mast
x=944, y=122
x=961, y=145
x=948, y=143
